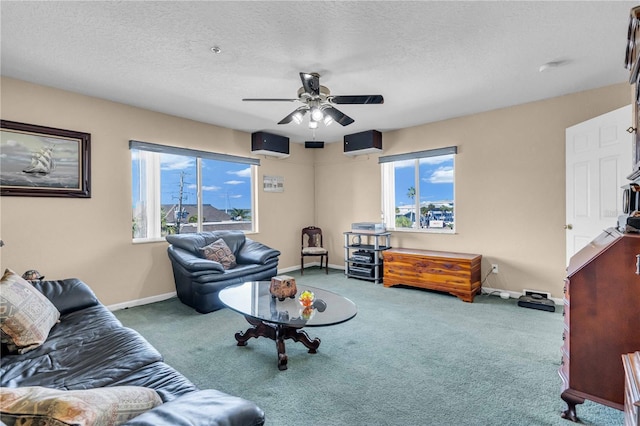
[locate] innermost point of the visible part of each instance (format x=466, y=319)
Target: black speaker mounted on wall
x=366, y=142
x=264, y=143
x=314, y=144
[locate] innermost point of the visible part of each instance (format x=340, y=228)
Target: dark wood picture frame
x=40, y=161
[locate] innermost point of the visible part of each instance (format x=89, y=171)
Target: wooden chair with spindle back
x=311, y=245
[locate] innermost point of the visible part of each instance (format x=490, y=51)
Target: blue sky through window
x=225, y=185
x=436, y=180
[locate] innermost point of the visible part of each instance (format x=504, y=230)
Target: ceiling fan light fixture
x=316, y=114
x=318, y=102
x=297, y=117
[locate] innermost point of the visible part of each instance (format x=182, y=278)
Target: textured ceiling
x=430, y=60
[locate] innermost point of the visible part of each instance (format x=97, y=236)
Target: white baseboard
x=289, y=269
x=145, y=301
x=495, y=291
x=307, y=265
x=165, y=296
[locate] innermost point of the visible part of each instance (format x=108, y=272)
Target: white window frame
x=387, y=164
x=150, y=185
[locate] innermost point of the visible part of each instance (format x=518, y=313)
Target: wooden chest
x=455, y=273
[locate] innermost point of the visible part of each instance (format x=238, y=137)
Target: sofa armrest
x=191, y=262
x=255, y=252
x=68, y=295
x=202, y=408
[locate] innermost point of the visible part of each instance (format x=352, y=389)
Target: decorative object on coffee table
x=306, y=298
x=283, y=286
x=320, y=305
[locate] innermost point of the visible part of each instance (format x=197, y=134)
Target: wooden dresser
x=601, y=320
x=455, y=273
x=631, y=364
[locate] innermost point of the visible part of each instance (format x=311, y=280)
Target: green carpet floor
x=410, y=357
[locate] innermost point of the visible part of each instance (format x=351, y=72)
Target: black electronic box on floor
x=536, y=301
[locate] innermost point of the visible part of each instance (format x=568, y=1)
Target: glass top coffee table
x=284, y=319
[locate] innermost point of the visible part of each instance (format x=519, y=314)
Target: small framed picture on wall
x=273, y=184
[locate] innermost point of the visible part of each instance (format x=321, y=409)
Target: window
x=418, y=190
x=178, y=190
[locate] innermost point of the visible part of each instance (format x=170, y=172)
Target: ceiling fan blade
x=302, y=111
x=269, y=100
x=357, y=99
x=311, y=83
x=338, y=116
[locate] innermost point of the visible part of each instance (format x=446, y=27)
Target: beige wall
x=91, y=238
x=510, y=186
x=509, y=191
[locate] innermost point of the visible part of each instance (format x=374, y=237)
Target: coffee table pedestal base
x=278, y=333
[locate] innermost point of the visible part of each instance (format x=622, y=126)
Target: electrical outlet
x=494, y=268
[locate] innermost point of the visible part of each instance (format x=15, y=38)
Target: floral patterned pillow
x=26, y=315
x=220, y=252
x=109, y=406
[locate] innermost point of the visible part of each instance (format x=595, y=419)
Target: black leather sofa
x=199, y=280
x=89, y=348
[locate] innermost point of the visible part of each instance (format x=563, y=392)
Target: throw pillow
x=109, y=406
x=26, y=315
x=220, y=252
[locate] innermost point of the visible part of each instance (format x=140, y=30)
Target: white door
x=598, y=160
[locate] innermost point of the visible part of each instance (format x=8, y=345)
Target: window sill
x=148, y=240
x=163, y=240
x=424, y=231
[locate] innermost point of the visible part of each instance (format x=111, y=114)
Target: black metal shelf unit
x=362, y=258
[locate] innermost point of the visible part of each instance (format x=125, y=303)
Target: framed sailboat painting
x=40, y=161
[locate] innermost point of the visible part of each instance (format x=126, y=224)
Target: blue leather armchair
x=199, y=280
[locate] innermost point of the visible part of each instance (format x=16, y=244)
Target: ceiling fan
x=318, y=101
